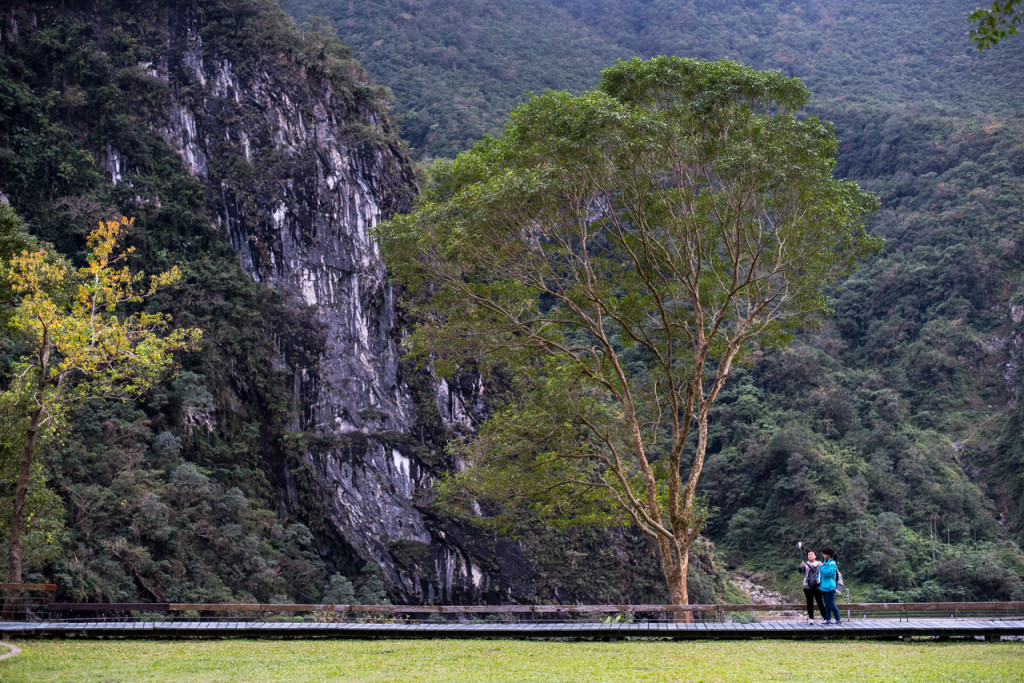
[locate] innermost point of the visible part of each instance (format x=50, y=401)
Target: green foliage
x=369, y=586
x=894, y=433
x=340, y=591
x=14, y=239
x=683, y=212
x=903, y=154
x=147, y=525
x=73, y=86
x=250, y=30
x=902, y=409
x=50, y=87
x=995, y=22
x=82, y=342
x=44, y=534
x=457, y=72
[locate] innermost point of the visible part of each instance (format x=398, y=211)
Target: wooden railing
x=48, y=587
x=23, y=600
x=865, y=607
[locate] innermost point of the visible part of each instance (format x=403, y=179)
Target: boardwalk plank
x=859, y=628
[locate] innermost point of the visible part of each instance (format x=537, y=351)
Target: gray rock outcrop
x=298, y=168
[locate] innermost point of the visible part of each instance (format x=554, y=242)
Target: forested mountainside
x=223, y=132
x=291, y=457
x=895, y=432
x=458, y=67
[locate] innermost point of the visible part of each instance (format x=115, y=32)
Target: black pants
x=813, y=595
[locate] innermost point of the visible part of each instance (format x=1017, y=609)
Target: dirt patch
x=12, y=650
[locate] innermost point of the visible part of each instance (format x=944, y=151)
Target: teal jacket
x=827, y=571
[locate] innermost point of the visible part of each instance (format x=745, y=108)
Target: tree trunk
x=675, y=561
x=17, y=516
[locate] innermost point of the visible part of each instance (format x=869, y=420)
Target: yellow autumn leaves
x=83, y=334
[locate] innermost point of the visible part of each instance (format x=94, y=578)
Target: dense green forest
x=458, y=67
x=895, y=431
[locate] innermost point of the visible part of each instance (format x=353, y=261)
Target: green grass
x=503, y=660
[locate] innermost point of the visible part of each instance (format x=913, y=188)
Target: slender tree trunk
x=675, y=561
x=17, y=516
x=675, y=552
x=35, y=420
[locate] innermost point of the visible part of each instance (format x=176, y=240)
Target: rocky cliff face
x=298, y=166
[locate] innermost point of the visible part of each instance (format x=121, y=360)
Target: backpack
x=813, y=577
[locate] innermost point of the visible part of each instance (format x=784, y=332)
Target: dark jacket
x=806, y=569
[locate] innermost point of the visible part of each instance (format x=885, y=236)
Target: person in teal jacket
x=829, y=571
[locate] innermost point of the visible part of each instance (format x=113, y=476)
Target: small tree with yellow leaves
x=83, y=345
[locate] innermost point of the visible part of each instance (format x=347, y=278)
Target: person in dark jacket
x=812, y=592
x=829, y=573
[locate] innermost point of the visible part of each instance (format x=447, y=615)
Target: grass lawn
x=510, y=660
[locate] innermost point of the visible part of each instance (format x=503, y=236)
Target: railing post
x=15, y=600
x=11, y=596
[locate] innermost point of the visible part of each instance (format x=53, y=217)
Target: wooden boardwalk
x=854, y=628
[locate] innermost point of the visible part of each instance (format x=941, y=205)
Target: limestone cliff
x=298, y=162
x=330, y=168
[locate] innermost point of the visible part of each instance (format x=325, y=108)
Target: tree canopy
x=80, y=344
x=619, y=252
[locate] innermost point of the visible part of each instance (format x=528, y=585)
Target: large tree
x=620, y=252
x=85, y=336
